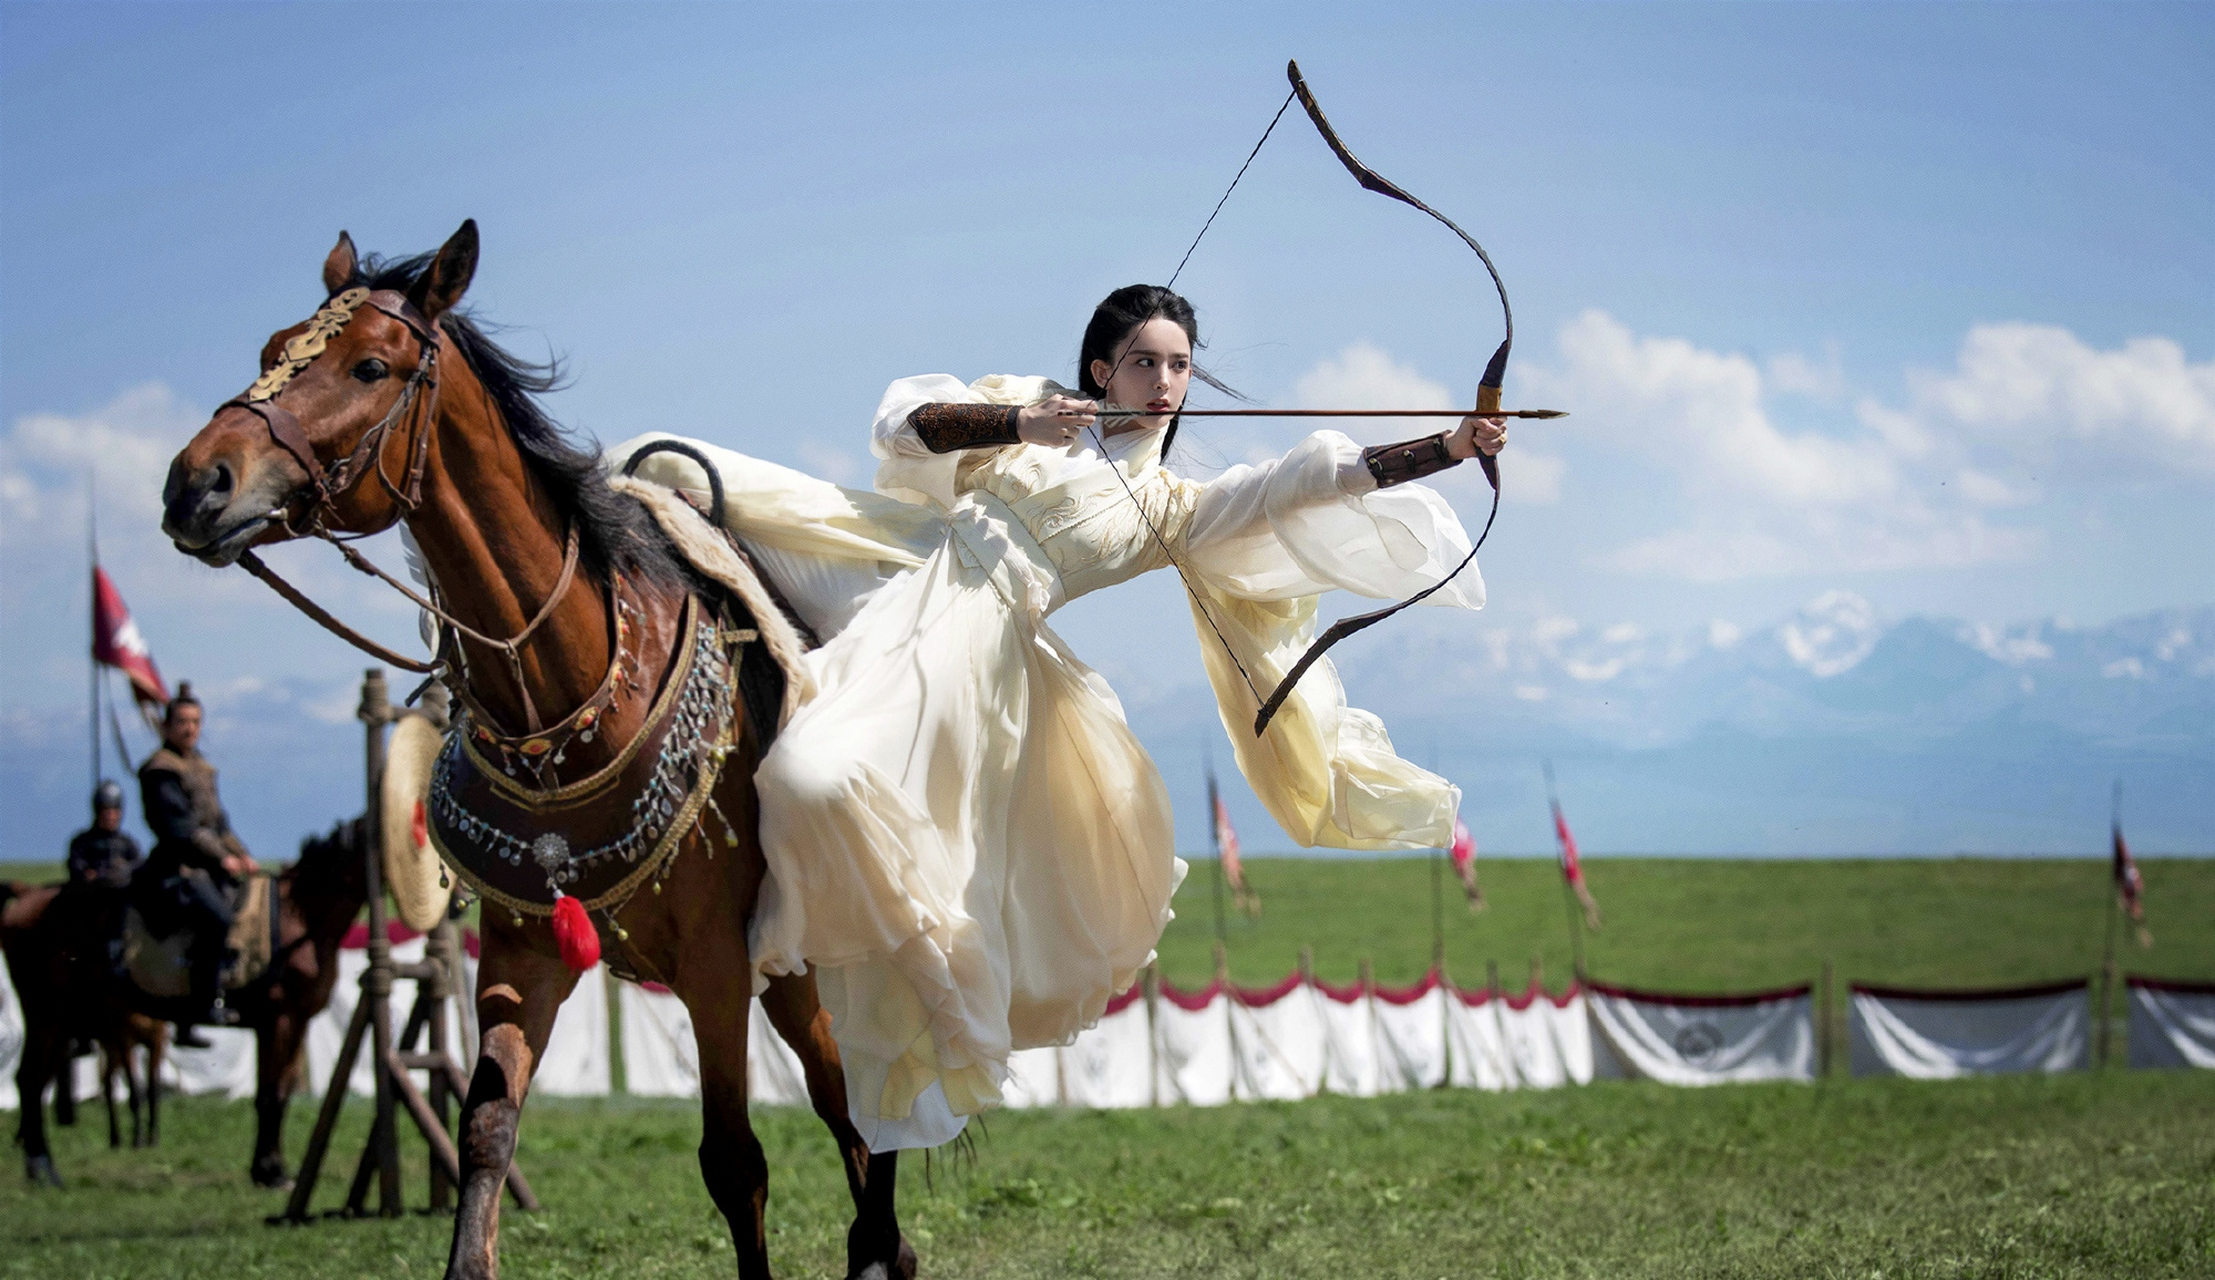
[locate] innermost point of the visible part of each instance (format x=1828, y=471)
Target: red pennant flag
x=117, y=643
x=2128, y=882
x=1572, y=870
x=1464, y=856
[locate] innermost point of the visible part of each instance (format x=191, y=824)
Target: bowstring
x=1227, y=190
x=1100, y=442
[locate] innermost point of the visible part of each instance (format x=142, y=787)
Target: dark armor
x=103, y=857
x=944, y=428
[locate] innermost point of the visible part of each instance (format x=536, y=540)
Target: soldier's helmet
x=107, y=796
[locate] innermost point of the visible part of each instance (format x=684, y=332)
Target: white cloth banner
x=1411, y=1037
x=1531, y=1041
x=1112, y=1063
x=1349, y=1041
x=2172, y=1024
x=1193, y=1057
x=1281, y=1049
x=1938, y=1035
x=1701, y=1040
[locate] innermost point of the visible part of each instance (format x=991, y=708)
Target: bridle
x=368, y=453
x=418, y=400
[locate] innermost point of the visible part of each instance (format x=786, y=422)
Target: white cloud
x=1991, y=491
x=2030, y=388
x=1364, y=376
x=1724, y=634
x=1795, y=374
x=2124, y=668
x=125, y=445
x=1889, y=490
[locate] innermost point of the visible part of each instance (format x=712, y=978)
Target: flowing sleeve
x=1265, y=541
x=907, y=469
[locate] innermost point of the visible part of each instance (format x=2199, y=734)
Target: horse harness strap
x=511, y=647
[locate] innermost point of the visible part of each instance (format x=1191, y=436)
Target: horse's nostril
x=221, y=483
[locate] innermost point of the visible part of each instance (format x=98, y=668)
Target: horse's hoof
x=40, y=1170
x=270, y=1175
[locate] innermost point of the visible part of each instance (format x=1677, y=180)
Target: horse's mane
x=615, y=534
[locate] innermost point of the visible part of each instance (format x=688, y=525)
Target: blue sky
x=1908, y=301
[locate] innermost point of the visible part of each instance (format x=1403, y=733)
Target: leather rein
x=419, y=395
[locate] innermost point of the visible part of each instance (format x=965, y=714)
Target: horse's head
x=343, y=395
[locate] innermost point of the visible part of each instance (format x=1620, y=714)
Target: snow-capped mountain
x=1831, y=731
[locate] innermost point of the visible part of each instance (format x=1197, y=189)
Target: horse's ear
x=340, y=268
x=447, y=278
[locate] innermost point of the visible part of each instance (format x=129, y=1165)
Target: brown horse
x=524, y=538
x=57, y=951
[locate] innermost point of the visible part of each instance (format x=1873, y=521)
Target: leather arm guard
x=1395, y=464
x=943, y=428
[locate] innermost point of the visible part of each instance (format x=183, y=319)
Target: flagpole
x=1568, y=892
x=2113, y=897
x=92, y=614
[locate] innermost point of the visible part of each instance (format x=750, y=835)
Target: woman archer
x=965, y=840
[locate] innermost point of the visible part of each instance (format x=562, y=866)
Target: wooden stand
x=390, y=1061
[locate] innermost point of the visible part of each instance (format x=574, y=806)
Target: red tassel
x=574, y=934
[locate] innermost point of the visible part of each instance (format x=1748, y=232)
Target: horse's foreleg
x=114, y=1055
x=43, y=1046
x=874, y=1238
x=715, y=981
x=276, y=1046
x=518, y=993
x=157, y=1047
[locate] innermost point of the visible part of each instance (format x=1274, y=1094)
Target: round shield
x=420, y=886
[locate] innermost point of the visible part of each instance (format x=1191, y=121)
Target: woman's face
x=1151, y=370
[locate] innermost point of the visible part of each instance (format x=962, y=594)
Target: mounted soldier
x=190, y=882
x=104, y=853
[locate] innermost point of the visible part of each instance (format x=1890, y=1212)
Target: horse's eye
x=370, y=370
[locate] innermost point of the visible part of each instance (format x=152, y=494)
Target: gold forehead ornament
x=303, y=347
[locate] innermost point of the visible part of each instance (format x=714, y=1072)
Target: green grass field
x=2102, y=1173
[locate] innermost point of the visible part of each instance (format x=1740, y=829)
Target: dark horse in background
x=393, y=407
x=57, y=942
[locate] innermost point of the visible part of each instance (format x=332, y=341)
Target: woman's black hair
x=1117, y=316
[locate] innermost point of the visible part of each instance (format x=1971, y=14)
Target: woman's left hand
x=1475, y=434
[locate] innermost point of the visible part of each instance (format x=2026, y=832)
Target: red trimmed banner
x=2177, y=985
x=1735, y=999
x=1969, y=994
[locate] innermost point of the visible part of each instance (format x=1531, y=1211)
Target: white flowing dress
x=965, y=841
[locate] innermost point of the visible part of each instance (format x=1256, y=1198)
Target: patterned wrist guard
x=1395, y=464
x=947, y=427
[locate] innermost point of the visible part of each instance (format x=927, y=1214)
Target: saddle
x=161, y=965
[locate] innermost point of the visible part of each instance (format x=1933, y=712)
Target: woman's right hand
x=1044, y=424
